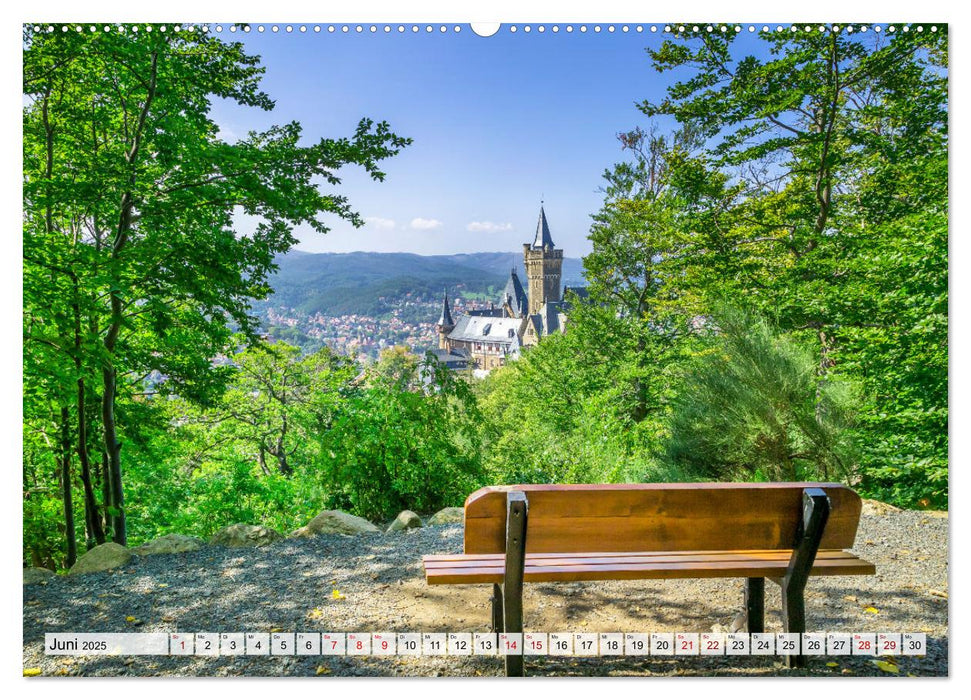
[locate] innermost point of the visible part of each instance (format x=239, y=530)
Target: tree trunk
x=109, y=372
x=261, y=456
x=281, y=451
x=113, y=453
x=92, y=518
x=94, y=532
x=105, y=484
x=825, y=363
x=639, y=412
x=68, y=497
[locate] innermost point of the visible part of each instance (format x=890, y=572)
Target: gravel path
x=288, y=587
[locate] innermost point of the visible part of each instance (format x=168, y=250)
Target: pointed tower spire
x=446, y=317
x=445, y=324
x=543, y=237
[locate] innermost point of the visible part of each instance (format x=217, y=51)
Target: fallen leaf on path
x=887, y=666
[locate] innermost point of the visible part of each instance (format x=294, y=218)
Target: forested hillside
x=336, y=284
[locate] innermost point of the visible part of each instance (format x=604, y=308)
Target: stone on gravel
x=739, y=623
x=406, y=520
x=172, y=543
x=335, y=522
x=243, y=535
x=447, y=516
x=874, y=507
x=109, y=555
x=33, y=574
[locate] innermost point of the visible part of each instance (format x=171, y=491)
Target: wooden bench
x=597, y=532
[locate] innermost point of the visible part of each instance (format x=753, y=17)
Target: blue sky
x=498, y=123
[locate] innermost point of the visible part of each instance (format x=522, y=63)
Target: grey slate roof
x=486, y=329
x=550, y=318
x=453, y=359
x=491, y=313
x=446, y=318
x=515, y=295
x=543, y=237
x=537, y=321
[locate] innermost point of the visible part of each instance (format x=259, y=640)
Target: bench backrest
x=657, y=517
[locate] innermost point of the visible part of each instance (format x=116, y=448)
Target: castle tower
x=445, y=324
x=544, y=266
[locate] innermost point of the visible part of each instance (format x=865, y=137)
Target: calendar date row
x=486, y=644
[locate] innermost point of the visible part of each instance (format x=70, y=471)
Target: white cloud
x=226, y=134
x=425, y=224
x=487, y=227
x=379, y=223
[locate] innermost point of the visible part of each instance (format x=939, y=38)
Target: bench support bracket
x=815, y=513
x=512, y=589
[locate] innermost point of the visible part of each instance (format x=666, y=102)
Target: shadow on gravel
x=214, y=589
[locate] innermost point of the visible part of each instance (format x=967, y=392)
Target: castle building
x=487, y=338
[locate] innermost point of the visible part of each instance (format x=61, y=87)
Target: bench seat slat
x=477, y=569
x=477, y=561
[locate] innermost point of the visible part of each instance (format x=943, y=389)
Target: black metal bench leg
x=815, y=513
x=496, y=608
x=512, y=589
x=794, y=618
x=755, y=605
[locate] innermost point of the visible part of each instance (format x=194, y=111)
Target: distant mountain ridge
x=337, y=284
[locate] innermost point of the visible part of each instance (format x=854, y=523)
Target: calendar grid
x=575, y=644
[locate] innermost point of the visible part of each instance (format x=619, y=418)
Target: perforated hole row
x=677, y=30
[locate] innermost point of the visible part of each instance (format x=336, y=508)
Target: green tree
x=407, y=438
x=131, y=254
x=586, y=405
x=276, y=406
x=815, y=189
x=750, y=407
